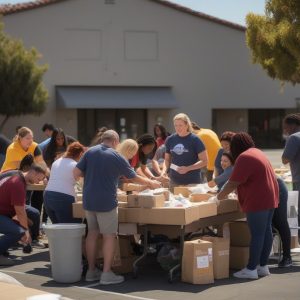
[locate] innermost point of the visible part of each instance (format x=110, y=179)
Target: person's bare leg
x=108, y=248
x=90, y=244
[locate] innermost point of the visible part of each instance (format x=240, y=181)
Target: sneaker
x=38, y=244
x=5, y=261
x=110, y=278
x=246, y=273
x=263, y=271
x=27, y=248
x=93, y=275
x=285, y=262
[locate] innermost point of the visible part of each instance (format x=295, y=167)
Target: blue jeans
x=260, y=225
x=59, y=207
x=13, y=232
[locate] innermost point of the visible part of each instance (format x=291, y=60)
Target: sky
x=231, y=10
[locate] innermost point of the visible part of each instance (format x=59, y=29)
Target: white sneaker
x=111, y=278
x=246, y=273
x=93, y=275
x=38, y=244
x=263, y=271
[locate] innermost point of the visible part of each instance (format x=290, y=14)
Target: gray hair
x=110, y=136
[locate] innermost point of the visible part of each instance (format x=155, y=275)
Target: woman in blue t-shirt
x=185, y=153
x=227, y=167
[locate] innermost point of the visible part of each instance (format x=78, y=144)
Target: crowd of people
x=191, y=155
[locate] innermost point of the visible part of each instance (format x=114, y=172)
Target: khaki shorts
x=105, y=222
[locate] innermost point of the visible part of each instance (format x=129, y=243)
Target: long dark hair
x=144, y=140
x=163, y=130
x=50, y=151
x=240, y=142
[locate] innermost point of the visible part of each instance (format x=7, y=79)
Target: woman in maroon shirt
x=257, y=188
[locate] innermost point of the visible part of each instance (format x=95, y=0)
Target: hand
x=26, y=238
x=214, y=199
x=154, y=184
x=162, y=178
x=182, y=170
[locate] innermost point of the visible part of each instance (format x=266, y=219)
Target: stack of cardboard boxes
x=239, y=244
x=205, y=259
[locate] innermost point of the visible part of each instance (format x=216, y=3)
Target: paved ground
x=33, y=270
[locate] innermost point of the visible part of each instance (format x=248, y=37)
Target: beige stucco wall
x=142, y=43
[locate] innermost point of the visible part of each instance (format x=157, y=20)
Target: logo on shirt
x=179, y=149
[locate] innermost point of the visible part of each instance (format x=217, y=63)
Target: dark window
x=129, y=123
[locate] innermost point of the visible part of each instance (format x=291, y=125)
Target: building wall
x=142, y=43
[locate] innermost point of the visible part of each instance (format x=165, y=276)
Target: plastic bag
x=168, y=257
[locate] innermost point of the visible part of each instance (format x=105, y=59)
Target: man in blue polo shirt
x=101, y=166
x=291, y=153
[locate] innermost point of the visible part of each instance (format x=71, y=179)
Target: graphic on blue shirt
x=179, y=149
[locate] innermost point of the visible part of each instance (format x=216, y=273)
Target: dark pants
x=260, y=225
x=59, y=207
x=13, y=232
x=37, y=200
x=296, y=187
x=280, y=221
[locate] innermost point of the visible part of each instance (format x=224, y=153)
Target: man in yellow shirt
x=212, y=145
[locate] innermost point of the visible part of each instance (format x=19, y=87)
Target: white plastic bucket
x=65, y=245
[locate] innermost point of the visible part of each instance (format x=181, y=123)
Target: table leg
x=134, y=266
x=178, y=266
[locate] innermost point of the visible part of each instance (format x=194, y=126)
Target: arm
x=156, y=167
x=22, y=218
x=229, y=187
x=146, y=171
x=153, y=184
x=201, y=163
x=77, y=173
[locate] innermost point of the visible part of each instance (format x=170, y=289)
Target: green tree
x=274, y=39
x=21, y=87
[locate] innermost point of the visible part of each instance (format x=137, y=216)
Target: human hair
x=195, y=126
x=144, y=140
x=229, y=156
x=74, y=150
x=110, y=136
x=292, y=119
x=183, y=117
x=227, y=136
x=51, y=150
x=39, y=168
x=26, y=162
x=22, y=132
x=128, y=148
x=97, y=139
x=163, y=131
x=48, y=126
x=240, y=142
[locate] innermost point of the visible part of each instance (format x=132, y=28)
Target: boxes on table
x=131, y=187
x=199, y=197
x=197, y=262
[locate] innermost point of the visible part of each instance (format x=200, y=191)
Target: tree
x=21, y=87
x=274, y=39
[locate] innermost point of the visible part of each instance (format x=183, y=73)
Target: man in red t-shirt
x=13, y=216
x=257, y=188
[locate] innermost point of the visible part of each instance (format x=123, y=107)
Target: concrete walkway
x=33, y=270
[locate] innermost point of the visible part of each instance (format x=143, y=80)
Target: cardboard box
x=125, y=266
x=131, y=215
x=151, y=201
x=197, y=262
x=122, y=197
x=125, y=244
x=130, y=187
x=122, y=204
x=183, y=190
x=239, y=234
x=220, y=256
x=199, y=197
x=176, y=215
x=228, y=205
x=122, y=214
x=13, y=292
x=294, y=242
x=238, y=257
x=78, y=197
x=133, y=201
x=128, y=228
x=78, y=211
